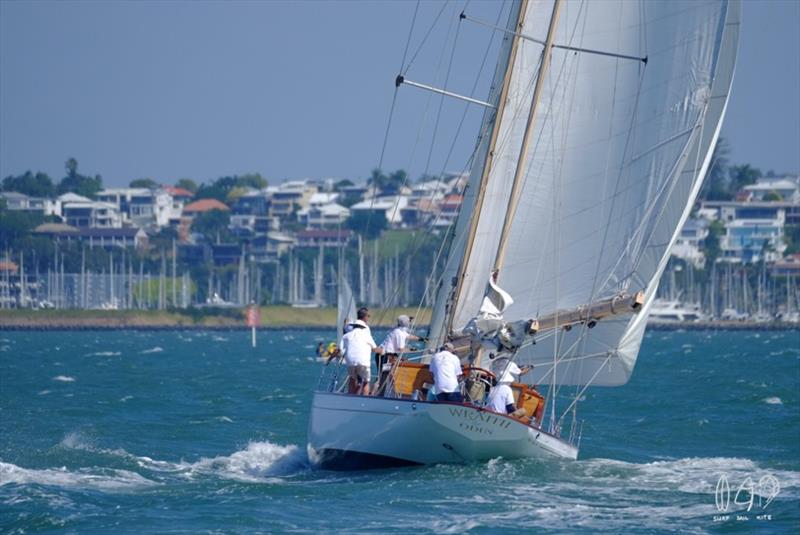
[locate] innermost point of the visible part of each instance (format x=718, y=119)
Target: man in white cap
x=357, y=346
x=446, y=369
x=501, y=398
x=394, y=345
x=395, y=342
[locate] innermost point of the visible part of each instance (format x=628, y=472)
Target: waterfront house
x=289, y=197
x=322, y=216
x=753, y=230
x=690, y=242
x=109, y=238
x=270, y=247
x=448, y=210
x=325, y=238
x=143, y=207
x=91, y=214
x=388, y=207
x=779, y=188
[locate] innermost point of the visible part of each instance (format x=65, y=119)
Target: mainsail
x=629, y=112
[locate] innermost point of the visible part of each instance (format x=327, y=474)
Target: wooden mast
x=487, y=166
x=513, y=199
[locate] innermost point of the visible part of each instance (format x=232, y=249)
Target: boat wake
x=259, y=462
x=604, y=495
x=117, y=470
x=104, y=479
x=692, y=475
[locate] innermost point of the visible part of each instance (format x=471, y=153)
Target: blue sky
x=169, y=90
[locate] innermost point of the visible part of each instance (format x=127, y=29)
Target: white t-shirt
x=357, y=346
x=509, y=370
x=500, y=396
x=446, y=369
x=395, y=340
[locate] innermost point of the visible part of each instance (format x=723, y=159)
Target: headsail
x=346, y=305
x=620, y=147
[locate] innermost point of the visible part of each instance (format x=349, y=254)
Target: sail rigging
x=618, y=151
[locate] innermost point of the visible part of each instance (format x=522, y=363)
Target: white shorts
x=359, y=374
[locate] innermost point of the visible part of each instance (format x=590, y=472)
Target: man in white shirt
x=501, y=398
x=358, y=346
x=446, y=369
x=395, y=342
x=393, y=346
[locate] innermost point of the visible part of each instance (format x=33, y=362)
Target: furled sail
x=621, y=140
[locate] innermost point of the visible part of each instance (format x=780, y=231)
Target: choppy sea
x=196, y=432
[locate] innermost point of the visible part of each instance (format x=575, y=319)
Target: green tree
x=38, y=185
x=222, y=187
x=773, y=195
x=387, y=184
x=15, y=225
x=234, y=194
x=369, y=227
x=213, y=225
x=188, y=184
x=162, y=240
x=715, y=187
x=218, y=189
x=342, y=184
x=791, y=235
x=148, y=183
x=712, y=247
x=77, y=183
x=741, y=176
x=251, y=180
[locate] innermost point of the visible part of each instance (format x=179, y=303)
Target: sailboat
x=598, y=131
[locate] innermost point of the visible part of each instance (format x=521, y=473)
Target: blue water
x=190, y=432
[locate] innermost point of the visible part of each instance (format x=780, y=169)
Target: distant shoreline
x=272, y=318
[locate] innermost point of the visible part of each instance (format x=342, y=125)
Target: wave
x=94, y=478
x=259, y=462
x=64, y=378
x=600, y=495
x=156, y=349
x=104, y=354
x=773, y=400
x=694, y=475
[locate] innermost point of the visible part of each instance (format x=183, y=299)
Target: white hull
x=357, y=432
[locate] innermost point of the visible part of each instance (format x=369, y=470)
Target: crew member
x=357, y=346
x=446, y=369
x=501, y=398
x=395, y=342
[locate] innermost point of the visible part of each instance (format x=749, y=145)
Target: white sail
x=346, y=305
x=457, y=248
x=618, y=153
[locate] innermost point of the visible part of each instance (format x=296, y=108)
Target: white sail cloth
x=618, y=153
x=346, y=305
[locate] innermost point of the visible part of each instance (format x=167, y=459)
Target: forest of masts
x=750, y=290
x=305, y=277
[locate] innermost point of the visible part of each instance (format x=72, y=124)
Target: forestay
x=618, y=153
